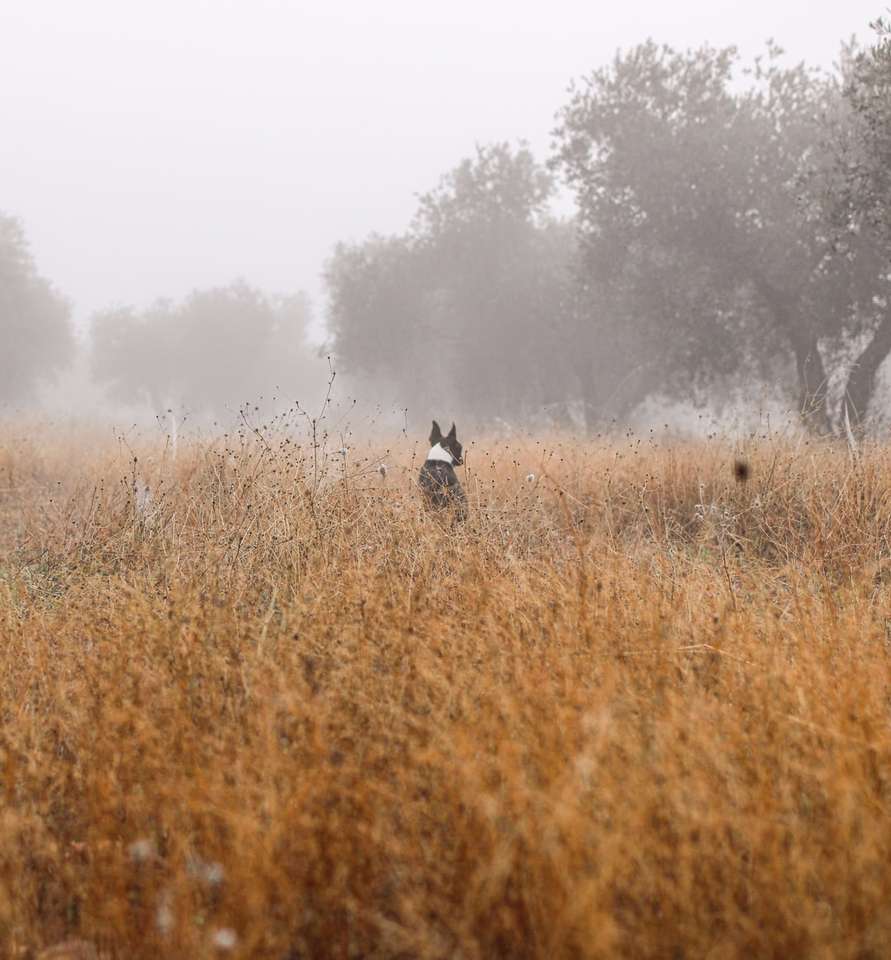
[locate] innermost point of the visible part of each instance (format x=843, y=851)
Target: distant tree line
x=218, y=349
x=206, y=356
x=732, y=226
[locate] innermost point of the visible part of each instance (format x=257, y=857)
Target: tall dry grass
x=256, y=702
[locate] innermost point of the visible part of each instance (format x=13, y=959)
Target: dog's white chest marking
x=438, y=452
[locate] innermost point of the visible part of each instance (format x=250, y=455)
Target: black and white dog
x=438, y=479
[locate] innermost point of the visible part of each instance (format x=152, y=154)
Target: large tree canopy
x=34, y=319
x=695, y=220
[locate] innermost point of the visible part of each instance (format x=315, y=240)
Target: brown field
x=635, y=707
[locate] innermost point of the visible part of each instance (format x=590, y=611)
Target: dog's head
x=449, y=443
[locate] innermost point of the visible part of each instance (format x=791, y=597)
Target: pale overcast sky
x=157, y=146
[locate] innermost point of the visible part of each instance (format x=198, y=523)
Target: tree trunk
x=808, y=362
x=811, y=383
x=862, y=379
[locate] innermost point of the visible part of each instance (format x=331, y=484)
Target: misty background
x=482, y=211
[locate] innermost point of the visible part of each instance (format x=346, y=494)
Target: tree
x=464, y=310
x=864, y=190
x=854, y=190
x=692, y=223
x=377, y=314
x=34, y=319
x=216, y=350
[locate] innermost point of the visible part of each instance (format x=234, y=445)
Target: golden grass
x=633, y=708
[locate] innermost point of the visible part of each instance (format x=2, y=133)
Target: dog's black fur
x=438, y=479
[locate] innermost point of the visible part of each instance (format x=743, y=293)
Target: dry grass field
x=256, y=702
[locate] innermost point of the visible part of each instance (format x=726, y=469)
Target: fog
x=152, y=150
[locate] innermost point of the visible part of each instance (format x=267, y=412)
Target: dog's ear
x=453, y=434
x=435, y=433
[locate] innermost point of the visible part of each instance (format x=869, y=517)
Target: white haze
x=151, y=148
